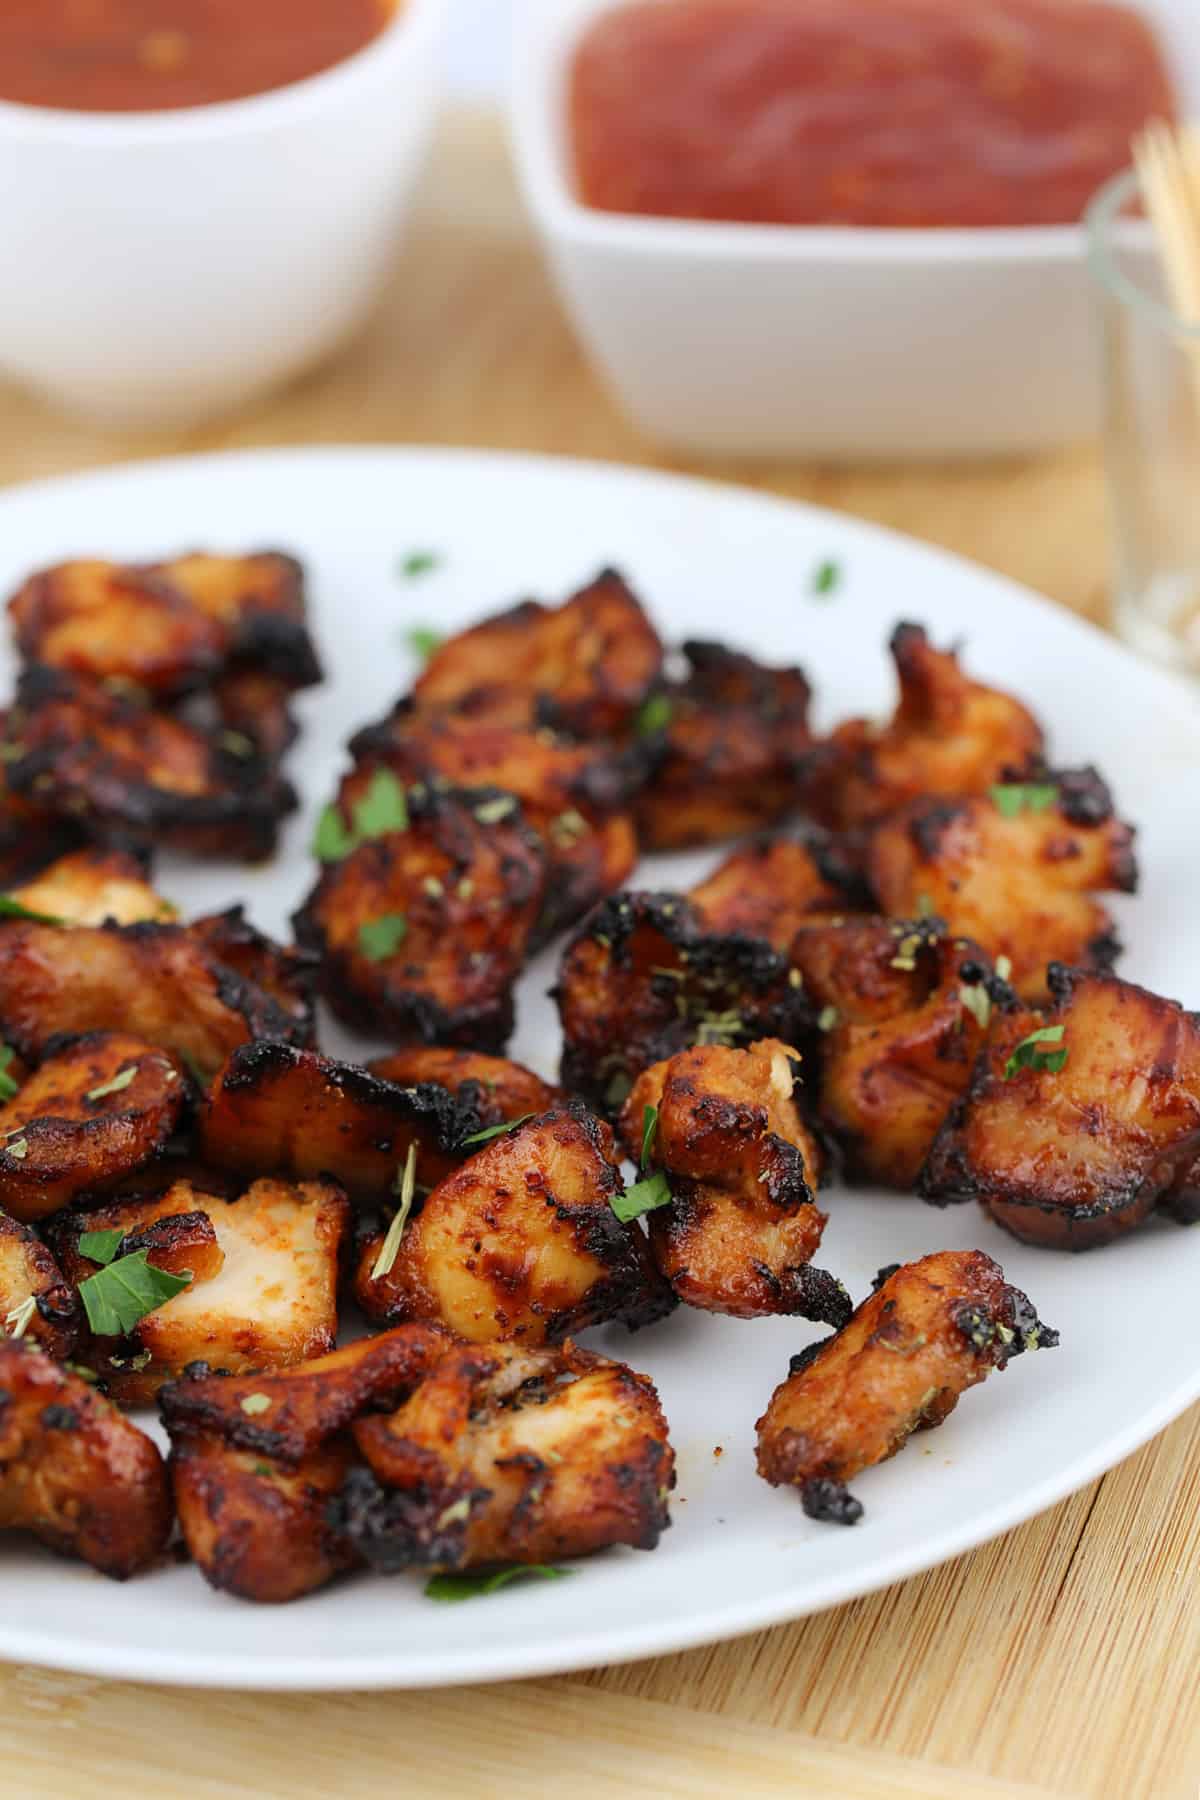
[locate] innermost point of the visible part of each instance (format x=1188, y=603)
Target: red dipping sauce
x=860, y=112
x=155, y=55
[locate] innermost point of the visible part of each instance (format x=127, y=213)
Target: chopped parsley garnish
x=490, y=812
x=469, y=1586
x=18, y=1147
x=827, y=1018
x=654, y=715
x=13, y=909
x=254, y=1404
x=1028, y=1056
x=423, y=640
x=418, y=563
x=649, y=1132
x=1003, y=967
x=17, y=1322
x=100, y=1246
x=826, y=576
x=924, y=906
x=978, y=1002
x=390, y=1247
x=642, y=1197
x=117, y=1085
x=119, y=1297
x=237, y=743
x=382, y=809
x=382, y=937
x=9, y=1089
x=495, y=1131
x=1013, y=797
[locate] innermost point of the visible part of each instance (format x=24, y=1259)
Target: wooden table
x=1060, y=1660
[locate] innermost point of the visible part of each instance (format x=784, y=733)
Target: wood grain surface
x=1059, y=1661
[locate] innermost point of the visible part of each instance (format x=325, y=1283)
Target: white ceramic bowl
x=767, y=340
x=164, y=267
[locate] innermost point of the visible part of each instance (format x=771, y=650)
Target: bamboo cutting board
x=1059, y=1661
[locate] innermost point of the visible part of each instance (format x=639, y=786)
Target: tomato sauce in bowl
x=159, y=55
x=860, y=112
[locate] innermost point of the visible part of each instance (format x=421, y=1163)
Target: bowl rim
x=412, y=27
x=539, y=55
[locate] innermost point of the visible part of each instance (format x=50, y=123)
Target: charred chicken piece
x=772, y=887
x=1014, y=870
x=30, y=837
x=933, y=1329
x=583, y=667
x=732, y=743
x=123, y=769
x=644, y=979
x=276, y=1109
x=263, y=1292
x=575, y=797
x=101, y=1107
x=1079, y=1118
x=29, y=1273
x=949, y=735
x=73, y=1471
x=159, y=982
x=904, y=1009
x=742, y=1224
x=286, y=976
x=494, y=1088
x=506, y=1454
x=253, y=1488
x=521, y=1242
x=93, y=886
x=251, y=707
x=422, y=931
x=258, y=604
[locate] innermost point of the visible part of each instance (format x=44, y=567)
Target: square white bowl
x=787, y=340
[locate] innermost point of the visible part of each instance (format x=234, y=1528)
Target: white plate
x=709, y=561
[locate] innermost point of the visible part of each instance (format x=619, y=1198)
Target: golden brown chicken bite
x=126, y=770
x=253, y=1485
x=73, y=1471
x=521, y=1242
x=94, y=885
x=644, y=978
x=159, y=982
x=101, y=1107
x=506, y=1454
x=263, y=1288
x=1015, y=870
x=36, y=1300
x=493, y=1086
x=275, y=1109
x=1079, y=1117
x=257, y=601
x=742, y=1224
x=583, y=667
x=903, y=1009
x=772, y=887
x=949, y=735
x=423, y=929
x=731, y=741
x=931, y=1330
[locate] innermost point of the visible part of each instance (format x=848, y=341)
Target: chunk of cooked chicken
x=772, y=887
x=159, y=982
x=732, y=742
x=574, y=797
x=507, y=1454
x=264, y=1282
x=253, y=1488
x=644, y=978
x=73, y=1471
x=253, y=707
x=126, y=770
x=492, y=1086
x=1070, y=1137
x=276, y=1109
x=1014, y=870
x=931, y=1330
x=92, y=885
x=949, y=735
x=99, y=1108
x=285, y=975
x=904, y=1008
x=521, y=1242
x=258, y=602
x=742, y=1224
x=422, y=931
x=28, y=1272
x=583, y=667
